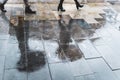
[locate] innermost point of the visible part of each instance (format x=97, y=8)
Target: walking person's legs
x=27, y=8
x=60, y=6
x=78, y=4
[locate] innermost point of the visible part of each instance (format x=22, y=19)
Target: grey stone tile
x=4, y=37
x=51, y=51
x=12, y=40
x=113, y=41
x=2, y=61
x=86, y=77
x=102, y=70
x=3, y=47
x=47, y=29
x=14, y=74
x=11, y=61
x=110, y=56
x=41, y=74
x=61, y=71
x=98, y=41
x=117, y=73
x=79, y=78
x=4, y=28
x=88, y=49
x=12, y=49
x=12, y=55
x=103, y=32
x=35, y=44
x=80, y=67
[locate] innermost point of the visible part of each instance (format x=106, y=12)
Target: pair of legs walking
x=28, y=10
x=60, y=6
x=27, y=7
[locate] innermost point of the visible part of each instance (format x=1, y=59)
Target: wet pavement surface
x=59, y=48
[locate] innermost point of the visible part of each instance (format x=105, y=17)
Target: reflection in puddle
x=67, y=48
x=30, y=60
x=35, y=60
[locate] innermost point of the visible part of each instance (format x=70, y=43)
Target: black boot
x=60, y=6
x=29, y=11
x=2, y=8
x=79, y=5
x=61, y=9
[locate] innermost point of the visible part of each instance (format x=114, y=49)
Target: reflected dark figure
x=65, y=38
x=27, y=7
x=29, y=60
x=4, y=17
x=66, y=50
x=60, y=6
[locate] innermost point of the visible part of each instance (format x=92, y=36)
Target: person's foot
x=61, y=9
x=29, y=11
x=2, y=8
x=79, y=6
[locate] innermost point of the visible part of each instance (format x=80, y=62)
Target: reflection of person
x=60, y=6
x=65, y=37
x=29, y=60
x=67, y=50
x=27, y=7
x=22, y=40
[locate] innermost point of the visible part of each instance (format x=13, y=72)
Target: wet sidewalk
x=82, y=45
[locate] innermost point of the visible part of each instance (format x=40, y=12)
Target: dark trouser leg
x=27, y=8
x=26, y=3
x=60, y=6
x=2, y=6
x=61, y=3
x=78, y=4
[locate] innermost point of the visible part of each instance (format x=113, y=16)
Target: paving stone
x=12, y=49
x=35, y=45
x=11, y=61
x=88, y=49
x=51, y=51
x=86, y=77
x=12, y=55
x=2, y=61
x=40, y=34
x=80, y=67
x=103, y=32
x=97, y=41
x=61, y=71
x=102, y=70
x=4, y=37
x=117, y=73
x=113, y=41
x=3, y=47
x=111, y=56
x=14, y=74
x=41, y=74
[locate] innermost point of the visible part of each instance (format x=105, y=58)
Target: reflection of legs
x=26, y=2
x=60, y=6
x=2, y=6
x=77, y=4
x=27, y=8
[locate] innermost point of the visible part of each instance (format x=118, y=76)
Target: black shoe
x=61, y=9
x=79, y=6
x=2, y=8
x=29, y=11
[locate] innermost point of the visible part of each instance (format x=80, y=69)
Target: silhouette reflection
x=2, y=15
x=67, y=49
x=30, y=60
